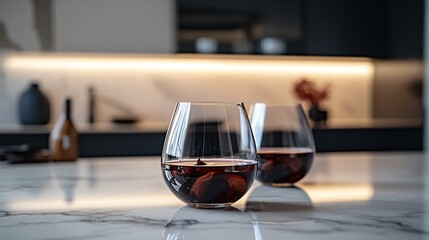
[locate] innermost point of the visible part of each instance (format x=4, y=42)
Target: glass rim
x=278, y=104
x=211, y=103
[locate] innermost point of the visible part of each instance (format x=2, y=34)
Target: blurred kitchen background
x=132, y=60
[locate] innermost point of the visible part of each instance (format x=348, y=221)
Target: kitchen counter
x=161, y=126
x=146, y=138
x=345, y=196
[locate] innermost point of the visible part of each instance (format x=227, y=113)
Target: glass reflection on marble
x=274, y=205
x=273, y=208
x=192, y=223
x=67, y=180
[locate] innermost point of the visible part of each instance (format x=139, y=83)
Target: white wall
x=17, y=16
x=397, y=89
x=131, y=26
x=151, y=85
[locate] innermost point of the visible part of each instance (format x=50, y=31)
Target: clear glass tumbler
x=209, y=158
x=284, y=141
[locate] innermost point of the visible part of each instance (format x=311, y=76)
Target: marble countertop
x=345, y=196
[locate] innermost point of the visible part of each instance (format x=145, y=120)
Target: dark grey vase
x=318, y=116
x=34, y=108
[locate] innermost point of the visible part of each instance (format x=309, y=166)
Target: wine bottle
x=64, y=137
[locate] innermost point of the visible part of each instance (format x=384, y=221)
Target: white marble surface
x=345, y=196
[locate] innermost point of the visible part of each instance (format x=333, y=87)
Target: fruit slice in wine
x=209, y=181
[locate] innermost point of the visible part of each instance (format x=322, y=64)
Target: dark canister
x=34, y=106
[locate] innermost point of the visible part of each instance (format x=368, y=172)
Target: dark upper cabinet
x=336, y=27
x=371, y=28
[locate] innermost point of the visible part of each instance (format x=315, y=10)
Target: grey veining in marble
x=345, y=196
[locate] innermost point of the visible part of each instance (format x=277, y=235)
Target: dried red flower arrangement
x=308, y=91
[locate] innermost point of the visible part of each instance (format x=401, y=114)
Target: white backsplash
x=152, y=94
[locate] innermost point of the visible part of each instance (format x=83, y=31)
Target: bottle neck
x=68, y=106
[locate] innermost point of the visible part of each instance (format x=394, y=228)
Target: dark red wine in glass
x=209, y=181
x=284, y=141
x=284, y=165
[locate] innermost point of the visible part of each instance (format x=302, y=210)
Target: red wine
x=284, y=165
x=209, y=181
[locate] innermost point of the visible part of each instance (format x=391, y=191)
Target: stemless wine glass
x=284, y=141
x=209, y=158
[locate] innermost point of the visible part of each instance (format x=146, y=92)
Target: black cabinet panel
x=150, y=144
x=352, y=27
x=404, y=37
x=370, y=28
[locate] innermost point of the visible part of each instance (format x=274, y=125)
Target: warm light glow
x=140, y=201
x=186, y=63
x=330, y=193
x=318, y=193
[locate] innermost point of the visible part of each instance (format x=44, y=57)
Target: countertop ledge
x=162, y=126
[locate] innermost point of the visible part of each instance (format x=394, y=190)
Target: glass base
x=210, y=205
x=280, y=185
